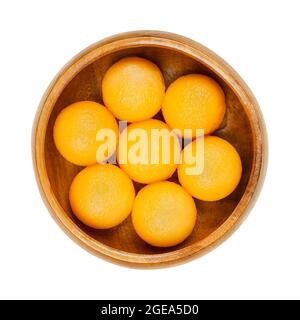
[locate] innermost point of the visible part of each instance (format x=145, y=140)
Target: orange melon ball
x=144, y=152
x=221, y=172
x=101, y=196
x=133, y=89
x=75, y=132
x=164, y=214
x=194, y=102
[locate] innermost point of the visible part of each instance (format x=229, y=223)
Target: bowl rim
x=199, y=53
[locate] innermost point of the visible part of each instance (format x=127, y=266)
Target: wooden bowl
x=81, y=79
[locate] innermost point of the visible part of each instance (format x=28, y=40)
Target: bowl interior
x=236, y=129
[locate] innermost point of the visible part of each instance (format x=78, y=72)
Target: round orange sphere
x=164, y=214
x=133, y=89
x=101, y=196
x=75, y=132
x=222, y=169
x=194, y=102
x=148, y=151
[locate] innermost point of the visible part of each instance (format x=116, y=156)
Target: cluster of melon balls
x=102, y=195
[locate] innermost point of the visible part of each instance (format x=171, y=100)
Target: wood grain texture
x=243, y=126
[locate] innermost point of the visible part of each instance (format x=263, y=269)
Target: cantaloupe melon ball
x=101, y=196
x=143, y=157
x=163, y=214
x=194, y=102
x=133, y=89
x=75, y=132
x=221, y=172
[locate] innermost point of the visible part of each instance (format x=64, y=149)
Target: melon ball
x=144, y=152
x=194, y=102
x=101, y=196
x=133, y=89
x=75, y=132
x=164, y=214
x=221, y=173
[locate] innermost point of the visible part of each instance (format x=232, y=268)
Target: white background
x=260, y=39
